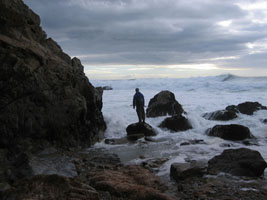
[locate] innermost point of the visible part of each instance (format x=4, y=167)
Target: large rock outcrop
x=45, y=95
x=162, y=104
x=238, y=162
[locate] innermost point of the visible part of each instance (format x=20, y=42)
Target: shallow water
x=197, y=96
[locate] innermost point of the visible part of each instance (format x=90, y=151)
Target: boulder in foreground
x=162, y=104
x=176, y=123
x=232, y=132
x=139, y=130
x=132, y=182
x=182, y=171
x=47, y=187
x=238, y=162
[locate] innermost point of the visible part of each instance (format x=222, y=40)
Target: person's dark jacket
x=138, y=99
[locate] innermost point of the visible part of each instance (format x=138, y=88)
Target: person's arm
x=143, y=99
x=134, y=100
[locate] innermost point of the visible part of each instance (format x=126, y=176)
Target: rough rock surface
x=139, y=130
x=47, y=187
x=162, y=104
x=181, y=171
x=232, y=132
x=45, y=95
x=133, y=182
x=238, y=162
x=247, y=108
x=114, y=181
x=223, y=115
x=176, y=123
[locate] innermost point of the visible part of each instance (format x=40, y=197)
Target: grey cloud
x=149, y=32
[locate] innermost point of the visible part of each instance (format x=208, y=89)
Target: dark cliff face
x=45, y=95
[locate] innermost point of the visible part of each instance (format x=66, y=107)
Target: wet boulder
x=232, y=132
x=162, y=104
x=238, y=162
x=182, y=171
x=222, y=115
x=176, y=123
x=138, y=130
x=247, y=108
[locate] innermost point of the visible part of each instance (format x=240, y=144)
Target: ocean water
x=197, y=96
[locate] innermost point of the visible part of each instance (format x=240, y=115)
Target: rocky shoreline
x=50, y=114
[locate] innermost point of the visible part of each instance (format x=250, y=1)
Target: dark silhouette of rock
x=22, y=168
x=139, y=130
x=223, y=115
x=247, y=108
x=238, y=162
x=232, y=132
x=47, y=187
x=176, y=123
x=264, y=121
x=182, y=171
x=45, y=95
x=231, y=111
x=107, y=88
x=163, y=104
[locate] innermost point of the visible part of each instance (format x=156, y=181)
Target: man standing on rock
x=139, y=103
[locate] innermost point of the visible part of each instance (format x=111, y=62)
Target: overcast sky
x=159, y=38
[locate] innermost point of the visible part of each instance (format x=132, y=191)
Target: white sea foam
x=197, y=96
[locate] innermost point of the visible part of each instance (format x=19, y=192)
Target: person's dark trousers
x=140, y=113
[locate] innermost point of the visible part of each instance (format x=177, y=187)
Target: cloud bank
x=159, y=38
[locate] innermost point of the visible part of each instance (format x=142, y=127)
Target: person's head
x=137, y=89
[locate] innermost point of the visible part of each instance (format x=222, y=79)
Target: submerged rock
x=139, y=130
x=45, y=95
x=247, y=108
x=116, y=141
x=238, y=162
x=162, y=104
x=176, y=123
x=232, y=132
x=189, y=142
x=223, y=115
